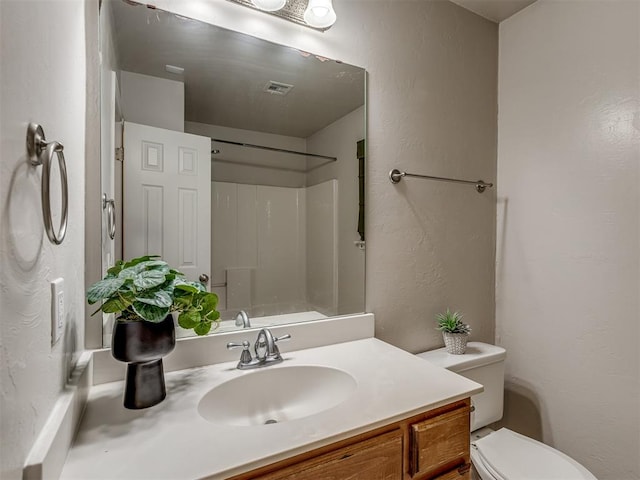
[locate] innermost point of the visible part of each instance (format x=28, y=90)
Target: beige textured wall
x=432, y=110
x=340, y=139
x=432, y=107
x=568, y=231
x=153, y=101
x=50, y=90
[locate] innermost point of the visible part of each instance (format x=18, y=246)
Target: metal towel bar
x=396, y=175
x=41, y=152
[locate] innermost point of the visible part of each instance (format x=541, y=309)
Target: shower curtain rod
x=396, y=175
x=273, y=149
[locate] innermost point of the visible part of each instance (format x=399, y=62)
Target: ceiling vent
x=277, y=88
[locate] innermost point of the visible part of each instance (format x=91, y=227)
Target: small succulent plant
x=451, y=322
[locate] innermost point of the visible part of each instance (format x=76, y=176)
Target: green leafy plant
x=452, y=322
x=146, y=288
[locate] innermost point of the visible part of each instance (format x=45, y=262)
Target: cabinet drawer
x=439, y=444
x=461, y=473
x=379, y=458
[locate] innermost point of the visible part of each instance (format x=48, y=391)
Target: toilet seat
x=507, y=455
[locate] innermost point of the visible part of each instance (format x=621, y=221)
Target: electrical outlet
x=57, y=309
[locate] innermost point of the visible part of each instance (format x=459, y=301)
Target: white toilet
x=502, y=454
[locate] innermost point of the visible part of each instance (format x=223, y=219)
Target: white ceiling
x=494, y=10
x=226, y=73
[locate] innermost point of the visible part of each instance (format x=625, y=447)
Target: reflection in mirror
x=236, y=160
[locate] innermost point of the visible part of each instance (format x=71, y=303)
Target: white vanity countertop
x=172, y=441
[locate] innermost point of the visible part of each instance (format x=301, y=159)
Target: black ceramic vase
x=142, y=345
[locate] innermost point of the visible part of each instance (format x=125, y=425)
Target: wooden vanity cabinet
x=440, y=444
x=431, y=446
x=379, y=457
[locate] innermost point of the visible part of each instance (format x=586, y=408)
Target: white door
x=167, y=197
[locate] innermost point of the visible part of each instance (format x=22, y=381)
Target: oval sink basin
x=275, y=395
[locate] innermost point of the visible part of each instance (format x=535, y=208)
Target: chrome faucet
x=265, y=348
x=242, y=320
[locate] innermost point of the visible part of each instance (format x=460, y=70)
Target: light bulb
x=269, y=5
x=320, y=14
x=320, y=11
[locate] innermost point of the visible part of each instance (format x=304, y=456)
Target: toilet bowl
x=506, y=455
x=502, y=454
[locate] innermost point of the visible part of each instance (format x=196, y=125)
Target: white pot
x=455, y=343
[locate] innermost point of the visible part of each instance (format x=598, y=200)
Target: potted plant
x=143, y=293
x=454, y=331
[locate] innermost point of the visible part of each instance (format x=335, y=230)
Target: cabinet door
x=440, y=444
x=379, y=458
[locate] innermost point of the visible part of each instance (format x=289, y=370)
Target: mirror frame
x=227, y=17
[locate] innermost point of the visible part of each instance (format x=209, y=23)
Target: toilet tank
x=482, y=363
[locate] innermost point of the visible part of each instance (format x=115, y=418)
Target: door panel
x=167, y=192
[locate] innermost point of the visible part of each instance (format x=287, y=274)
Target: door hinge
x=119, y=154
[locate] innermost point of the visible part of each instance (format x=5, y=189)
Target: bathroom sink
x=276, y=395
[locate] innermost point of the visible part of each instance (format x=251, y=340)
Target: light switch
x=57, y=309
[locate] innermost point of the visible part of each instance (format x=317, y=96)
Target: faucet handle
x=232, y=345
x=275, y=353
x=283, y=337
x=245, y=357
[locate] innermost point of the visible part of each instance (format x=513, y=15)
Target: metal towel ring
x=42, y=152
x=110, y=206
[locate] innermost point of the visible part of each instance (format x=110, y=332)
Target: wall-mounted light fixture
x=316, y=14
x=269, y=5
x=320, y=14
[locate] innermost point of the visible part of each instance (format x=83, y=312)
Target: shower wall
x=322, y=254
x=260, y=239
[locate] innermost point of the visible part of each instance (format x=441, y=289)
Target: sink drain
x=269, y=422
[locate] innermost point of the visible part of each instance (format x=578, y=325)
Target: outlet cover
x=57, y=309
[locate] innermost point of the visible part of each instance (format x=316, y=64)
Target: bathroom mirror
x=264, y=144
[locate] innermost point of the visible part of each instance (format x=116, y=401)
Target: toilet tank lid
x=477, y=354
